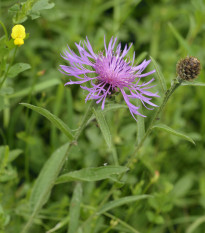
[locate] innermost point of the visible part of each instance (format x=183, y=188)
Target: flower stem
x=7, y=71
x=4, y=28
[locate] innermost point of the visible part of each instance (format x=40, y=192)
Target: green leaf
x=17, y=69
x=46, y=181
x=140, y=124
x=192, y=228
x=125, y=200
x=108, y=107
x=103, y=126
x=12, y=154
x=42, y=5
x=183, y=186
x=155, y=218
x=6, y=91
x=174, y=132
x=38, y=88
x=141, y=57
x=2, y=105
x=180, y=39
x=199, y=84
x=160, y=75
x=52, y=118
x=92, y=174
x=74, y=210
x=30, y=8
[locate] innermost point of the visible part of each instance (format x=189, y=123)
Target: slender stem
x=7, y=71
x=4, y=28
x=28, y=129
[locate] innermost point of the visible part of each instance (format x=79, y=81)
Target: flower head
x=18, y=34
x=188, y=68
x=112, y=73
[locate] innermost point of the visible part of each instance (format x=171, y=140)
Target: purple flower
x=111, y=72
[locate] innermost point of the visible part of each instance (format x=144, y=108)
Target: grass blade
x=180, y=39
x=125, y=200
x=52, y=118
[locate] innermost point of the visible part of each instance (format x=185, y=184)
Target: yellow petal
x=18, y=31
x=18, y=41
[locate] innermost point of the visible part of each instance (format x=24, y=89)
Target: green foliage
x=45, y=182
x=74, y=211
x=174, y=132
x=17, y=69
x=92, y=174
x=30, y=8
x=163, y=190
x=103, y=126
x=55, y=120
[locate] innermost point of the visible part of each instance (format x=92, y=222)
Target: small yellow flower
x=18, y=34
x=18, y=41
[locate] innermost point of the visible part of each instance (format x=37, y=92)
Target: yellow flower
x=18, y=34
x=18, y=41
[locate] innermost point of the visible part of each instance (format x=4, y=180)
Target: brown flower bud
x=188, y=68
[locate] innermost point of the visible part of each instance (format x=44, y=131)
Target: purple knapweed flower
x=112, y=73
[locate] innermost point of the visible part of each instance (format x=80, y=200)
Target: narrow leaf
x=141, y=57
x=109, y=107
x=160, y=75
x=174, y=132
x=92, y=174
x=52, y=118
x=125, y=200
x=103, y=126
x=74, y=210
x=38, y=88
x=192, y=228
x=199, y=84
x=140, y=124
x=180, y=39
x=45, y=182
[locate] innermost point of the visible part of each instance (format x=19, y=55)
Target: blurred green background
x=164, y=29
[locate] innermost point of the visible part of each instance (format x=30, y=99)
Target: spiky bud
x=188, y=68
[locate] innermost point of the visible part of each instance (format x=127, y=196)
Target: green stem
x=28, y=129
x=7, y=71
x=4, y=28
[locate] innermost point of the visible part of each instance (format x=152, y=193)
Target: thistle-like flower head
x=112, y=71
